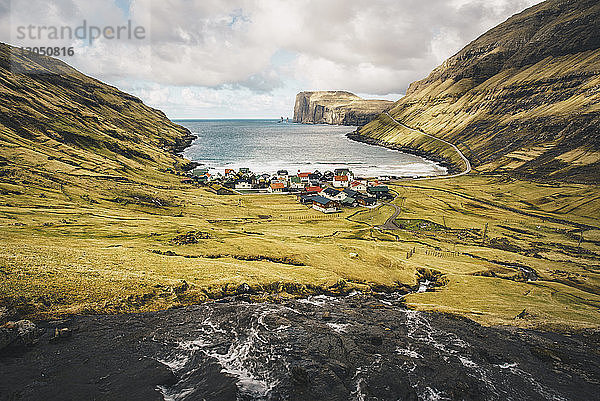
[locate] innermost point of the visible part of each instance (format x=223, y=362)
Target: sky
x=249, y=58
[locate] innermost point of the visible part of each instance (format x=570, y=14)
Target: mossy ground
x=109, y=247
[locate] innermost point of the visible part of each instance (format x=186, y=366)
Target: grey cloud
x=369, y=46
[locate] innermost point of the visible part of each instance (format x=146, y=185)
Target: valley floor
x=499, y=251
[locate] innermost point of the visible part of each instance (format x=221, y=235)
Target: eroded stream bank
x=335, y=348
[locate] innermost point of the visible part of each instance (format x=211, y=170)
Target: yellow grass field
x=97, y=246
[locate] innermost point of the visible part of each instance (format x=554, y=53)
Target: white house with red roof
x=341, y=181
x=304, y=177
x=276, y=187
x=358, y=186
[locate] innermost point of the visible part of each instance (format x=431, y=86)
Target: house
x=358, y=186
x=379, y=191
x=276, y=187
x=229, y=171
x=187, y=181
x=203, y=178
x=282, y=173
x=220, y=190
x=313, y=190
x=198, y=172
x=306, y=198
x=366, y=200
x=304, y=177
x=324, y=205
x=333, y=194
x=342, y=171
x=340, y=181
x=296, y=183
x=243, y=185
x=350, y=193
x=348, y=202
x=244, y=170
x=313, y=177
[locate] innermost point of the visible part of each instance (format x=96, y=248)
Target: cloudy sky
x=249, y=58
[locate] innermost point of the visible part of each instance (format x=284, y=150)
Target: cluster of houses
x=327, y=192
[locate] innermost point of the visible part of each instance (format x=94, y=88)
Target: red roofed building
x=358, y=186
x=304, y=177
x=341, y=181
x=313, y=189
x=276, y=187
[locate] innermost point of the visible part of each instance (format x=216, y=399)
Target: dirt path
x=390, y=222
x=462, y=156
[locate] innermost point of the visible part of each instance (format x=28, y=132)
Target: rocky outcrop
x=319, y=348
x=522, y=99
x=22, y=333
x=336, y=107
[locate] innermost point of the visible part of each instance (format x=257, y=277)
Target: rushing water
x=351, y=348
x=266, y=146
x=356, y=347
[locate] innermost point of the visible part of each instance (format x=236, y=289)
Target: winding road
x=462, y=156
x=390, y=223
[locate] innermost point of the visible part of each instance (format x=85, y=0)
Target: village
x=327, y=192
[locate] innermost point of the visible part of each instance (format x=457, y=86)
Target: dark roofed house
x=350, y=193
x=366, y=200
x=379, y=191
x=348, y=202
x=333, y=194
x=324, y=205
x=306, y=198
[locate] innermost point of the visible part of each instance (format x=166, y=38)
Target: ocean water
x=266, y=146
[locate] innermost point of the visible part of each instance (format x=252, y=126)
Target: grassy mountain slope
x=523, y=98
x=58, y=125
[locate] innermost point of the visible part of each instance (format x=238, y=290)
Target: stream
x=358, y=347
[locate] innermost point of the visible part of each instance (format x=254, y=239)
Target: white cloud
x=235, y=47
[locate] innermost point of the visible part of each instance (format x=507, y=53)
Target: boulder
x=20, y=333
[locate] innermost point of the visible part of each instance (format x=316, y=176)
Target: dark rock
x=61, y=334
x=243, y=289
x=376, y=340
x=23, y=333
x=299, y=375
x=237, y=350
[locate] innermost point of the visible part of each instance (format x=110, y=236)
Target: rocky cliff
x=524, y=98
x=58, y=127
x=336, y=107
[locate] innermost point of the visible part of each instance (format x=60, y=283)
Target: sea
x=266, y=146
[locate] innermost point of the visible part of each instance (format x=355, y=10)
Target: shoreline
x=451, y=168
x=188, y=141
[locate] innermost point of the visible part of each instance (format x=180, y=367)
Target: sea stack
x=337, y=107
